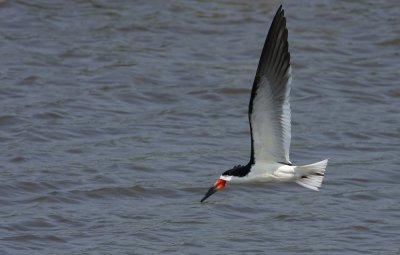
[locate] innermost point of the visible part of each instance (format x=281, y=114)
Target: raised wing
x=269, y=108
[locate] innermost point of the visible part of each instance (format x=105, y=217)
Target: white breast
x=268, y=172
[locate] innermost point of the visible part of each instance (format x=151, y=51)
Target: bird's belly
x=269, y=173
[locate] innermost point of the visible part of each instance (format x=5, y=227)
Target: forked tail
x=312, y=175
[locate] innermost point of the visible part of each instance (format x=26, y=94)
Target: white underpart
x=268, y=172
x=309, y=176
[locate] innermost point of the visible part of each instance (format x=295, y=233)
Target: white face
x=225, y=178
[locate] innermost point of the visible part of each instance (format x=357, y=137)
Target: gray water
x=116, y=117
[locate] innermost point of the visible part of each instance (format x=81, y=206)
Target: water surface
x=116, y=116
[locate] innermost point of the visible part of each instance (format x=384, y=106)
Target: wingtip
x=281, y=10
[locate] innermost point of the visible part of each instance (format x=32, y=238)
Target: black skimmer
x=269, y=118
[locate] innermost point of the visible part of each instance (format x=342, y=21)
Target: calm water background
x=116, y=117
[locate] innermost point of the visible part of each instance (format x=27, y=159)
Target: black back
x=239, y=171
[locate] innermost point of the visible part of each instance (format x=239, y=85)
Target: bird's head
x=236, y=172
x=218, y=185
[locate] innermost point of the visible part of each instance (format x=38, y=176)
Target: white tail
x=312, y=175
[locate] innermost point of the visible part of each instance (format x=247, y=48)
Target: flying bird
x=269, y=118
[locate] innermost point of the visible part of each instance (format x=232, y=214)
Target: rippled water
x=116, y=116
